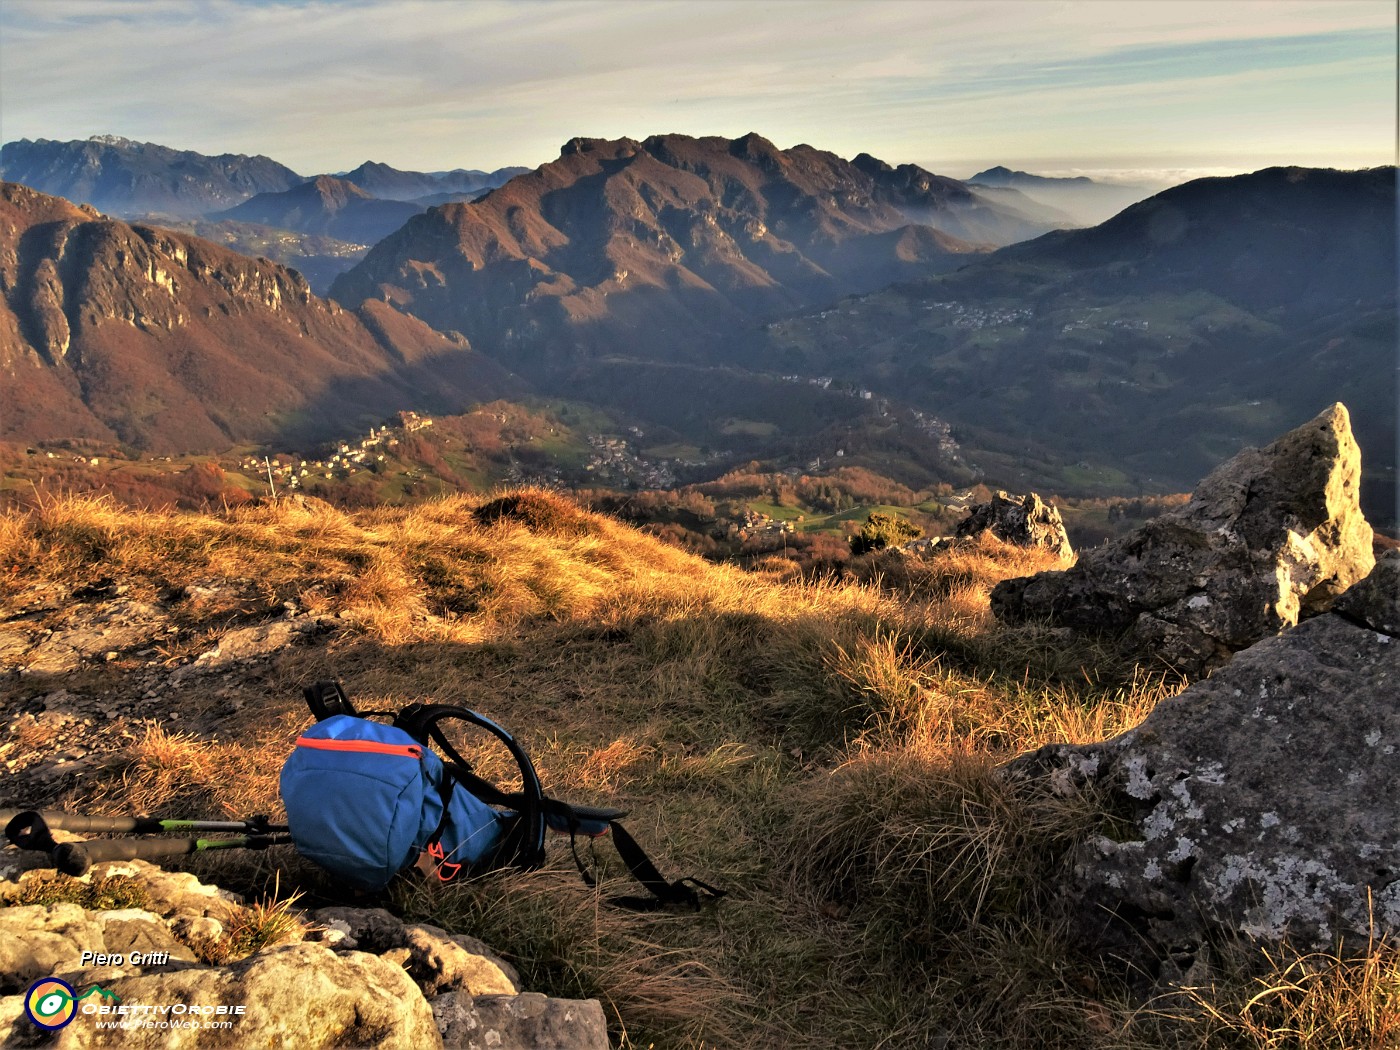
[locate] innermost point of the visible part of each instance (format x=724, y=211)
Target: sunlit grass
x=826, y=751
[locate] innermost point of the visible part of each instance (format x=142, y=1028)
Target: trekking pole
x=33, y=830
x=75, y=858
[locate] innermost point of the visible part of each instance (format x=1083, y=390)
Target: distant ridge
x=127, y=178
x=326, y=206
x=1000, y=176
x=381, y=180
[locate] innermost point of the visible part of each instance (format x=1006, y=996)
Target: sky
x=1148, y=90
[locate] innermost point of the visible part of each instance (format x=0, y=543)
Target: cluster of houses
x=1082, y=324
x=613, y=460
x=753, y=524
x=942, y=432
x=347, y=458
x=824, y=382
x=966, y=315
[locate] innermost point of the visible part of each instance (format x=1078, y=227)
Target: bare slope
x=169, y=343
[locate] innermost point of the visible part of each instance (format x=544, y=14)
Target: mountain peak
x=1004, y=176
x=617, y=147
x=114, y=140
x=871, y=165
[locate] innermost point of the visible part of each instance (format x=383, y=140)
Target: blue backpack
x=367, y=801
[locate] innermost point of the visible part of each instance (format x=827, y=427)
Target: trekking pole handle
x=74, y=858
x=82, y=825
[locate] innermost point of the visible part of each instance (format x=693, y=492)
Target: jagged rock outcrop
x=1259, y=803
x=340, y=977
x=1269, y=537
x=1027, y=521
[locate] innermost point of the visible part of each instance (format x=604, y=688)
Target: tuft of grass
x=250, y=928
x=539, y=510
x=561, y=936
x=181, y=775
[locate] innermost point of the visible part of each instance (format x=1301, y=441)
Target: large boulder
x=1027, y=521
x=1259, y=803
x=1269, y=537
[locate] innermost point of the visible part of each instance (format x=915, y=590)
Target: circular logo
x=50, y=1003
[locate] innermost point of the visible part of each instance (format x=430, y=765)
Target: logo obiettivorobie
x=51, y=1003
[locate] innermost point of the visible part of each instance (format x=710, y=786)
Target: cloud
x=323, y=85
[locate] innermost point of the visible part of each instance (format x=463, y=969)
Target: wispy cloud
x=439, y=83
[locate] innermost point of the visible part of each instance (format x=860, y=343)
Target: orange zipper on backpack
x=367, y=746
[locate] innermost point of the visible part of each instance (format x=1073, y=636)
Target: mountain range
x=138, y=179
x=320, y=225
x=122, y=177
x=727, y=294
x=669, y=248
x=1149, y=347
x=380, y=180
x=1084, y=201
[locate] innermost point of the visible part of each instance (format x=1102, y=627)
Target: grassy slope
x=823, y=751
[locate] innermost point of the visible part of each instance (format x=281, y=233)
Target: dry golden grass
x=1295, y=1001
x=175, y=775
x=824, y=750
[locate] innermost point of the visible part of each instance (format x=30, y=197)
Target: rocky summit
x=1259, y=803
x=1268, y=538
x=687, y=240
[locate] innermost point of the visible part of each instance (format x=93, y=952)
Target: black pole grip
x=83, y=825
x=29, y=830
x=74, y=858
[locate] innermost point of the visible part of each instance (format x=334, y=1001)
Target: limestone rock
x=1267, y=538
x=1375, y=605
x=1027, y=521
x=1258, y=803
x=39, y=940
x=528, y=1021
x=438, y=961
x=253, y=643
x=301, y=995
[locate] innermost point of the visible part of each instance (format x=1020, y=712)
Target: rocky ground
x=86, y=674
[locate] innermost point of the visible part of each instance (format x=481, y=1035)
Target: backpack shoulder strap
x=689, y=893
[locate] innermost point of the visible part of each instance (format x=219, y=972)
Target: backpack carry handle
x=328, y=698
